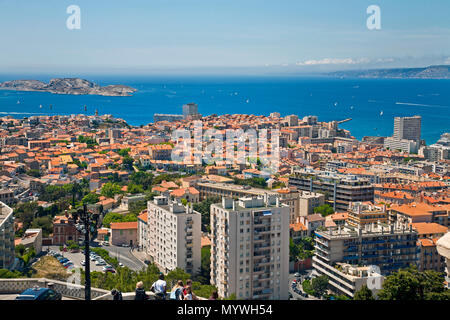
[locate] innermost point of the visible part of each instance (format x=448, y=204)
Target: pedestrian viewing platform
x=10, y=288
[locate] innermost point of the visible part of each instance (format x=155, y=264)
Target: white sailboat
x=381, y=113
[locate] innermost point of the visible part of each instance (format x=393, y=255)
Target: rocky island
x=73, y=86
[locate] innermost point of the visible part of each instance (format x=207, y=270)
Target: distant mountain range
x=73, y=86
x=431, y=72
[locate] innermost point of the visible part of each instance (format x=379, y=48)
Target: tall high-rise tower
x=408, y=128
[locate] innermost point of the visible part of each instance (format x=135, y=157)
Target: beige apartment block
x=250, y=248
x=174, y=235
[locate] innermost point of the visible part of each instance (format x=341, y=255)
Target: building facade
x=250, y=248
x=339, y=190
x=7, y=251
x=389, y=247
x=174, y=235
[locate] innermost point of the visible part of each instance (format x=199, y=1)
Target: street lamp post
x=85, y=228
x=87, y=268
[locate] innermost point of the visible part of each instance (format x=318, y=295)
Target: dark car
x=39, y=294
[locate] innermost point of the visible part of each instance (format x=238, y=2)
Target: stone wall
x=13, y=286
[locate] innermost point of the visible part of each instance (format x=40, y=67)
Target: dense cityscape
x=337, y=219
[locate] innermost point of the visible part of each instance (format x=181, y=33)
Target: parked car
x=108, y=269
x=105, y=243
x=83, y=263
x=39, y=294
x=297, y=275
x=100, y=263
x=120, y=264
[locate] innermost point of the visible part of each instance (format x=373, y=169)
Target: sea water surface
x=371, y=103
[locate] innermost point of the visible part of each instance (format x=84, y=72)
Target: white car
x=100, y=263
x=120, y=264
x=105, y=243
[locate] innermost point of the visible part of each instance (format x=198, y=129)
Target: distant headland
x=431, y=72
x=72, y=86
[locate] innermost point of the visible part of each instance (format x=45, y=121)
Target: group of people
x=159, y=288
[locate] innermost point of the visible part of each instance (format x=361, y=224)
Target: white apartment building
x=409, y=146
x=250, y=248
x=174, y=235
x=7, y=253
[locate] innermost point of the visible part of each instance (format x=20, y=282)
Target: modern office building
x=389, y=247
x=190, y=110
x=408, y=128
x=174, y=235
x=7, y=252
x=339, y=189
x=250, y=248
x=406, y=137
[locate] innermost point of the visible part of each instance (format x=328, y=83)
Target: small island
x=73, y=86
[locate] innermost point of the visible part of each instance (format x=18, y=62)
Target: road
x=124, y=255
x=303, y=275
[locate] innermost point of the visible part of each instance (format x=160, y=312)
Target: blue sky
x=139, y=36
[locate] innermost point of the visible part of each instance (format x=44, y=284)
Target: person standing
x=188, y=295
x=177, y=291
x=189, y=285
x=159, y=287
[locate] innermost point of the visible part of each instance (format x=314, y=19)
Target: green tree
x=34, y=173
x=411, y=284
x=109, y=189
x=134, y=188
x=143, y=179
x=127, y=162
x=90, y=198
x=44, y=223
x=324, y=210
x=124, y=152
x=319, y=285
x=363, y=294
x=204, y=208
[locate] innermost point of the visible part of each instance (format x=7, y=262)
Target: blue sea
x=371, y=103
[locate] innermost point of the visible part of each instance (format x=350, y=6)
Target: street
x=124, y=255
x=303, y=275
